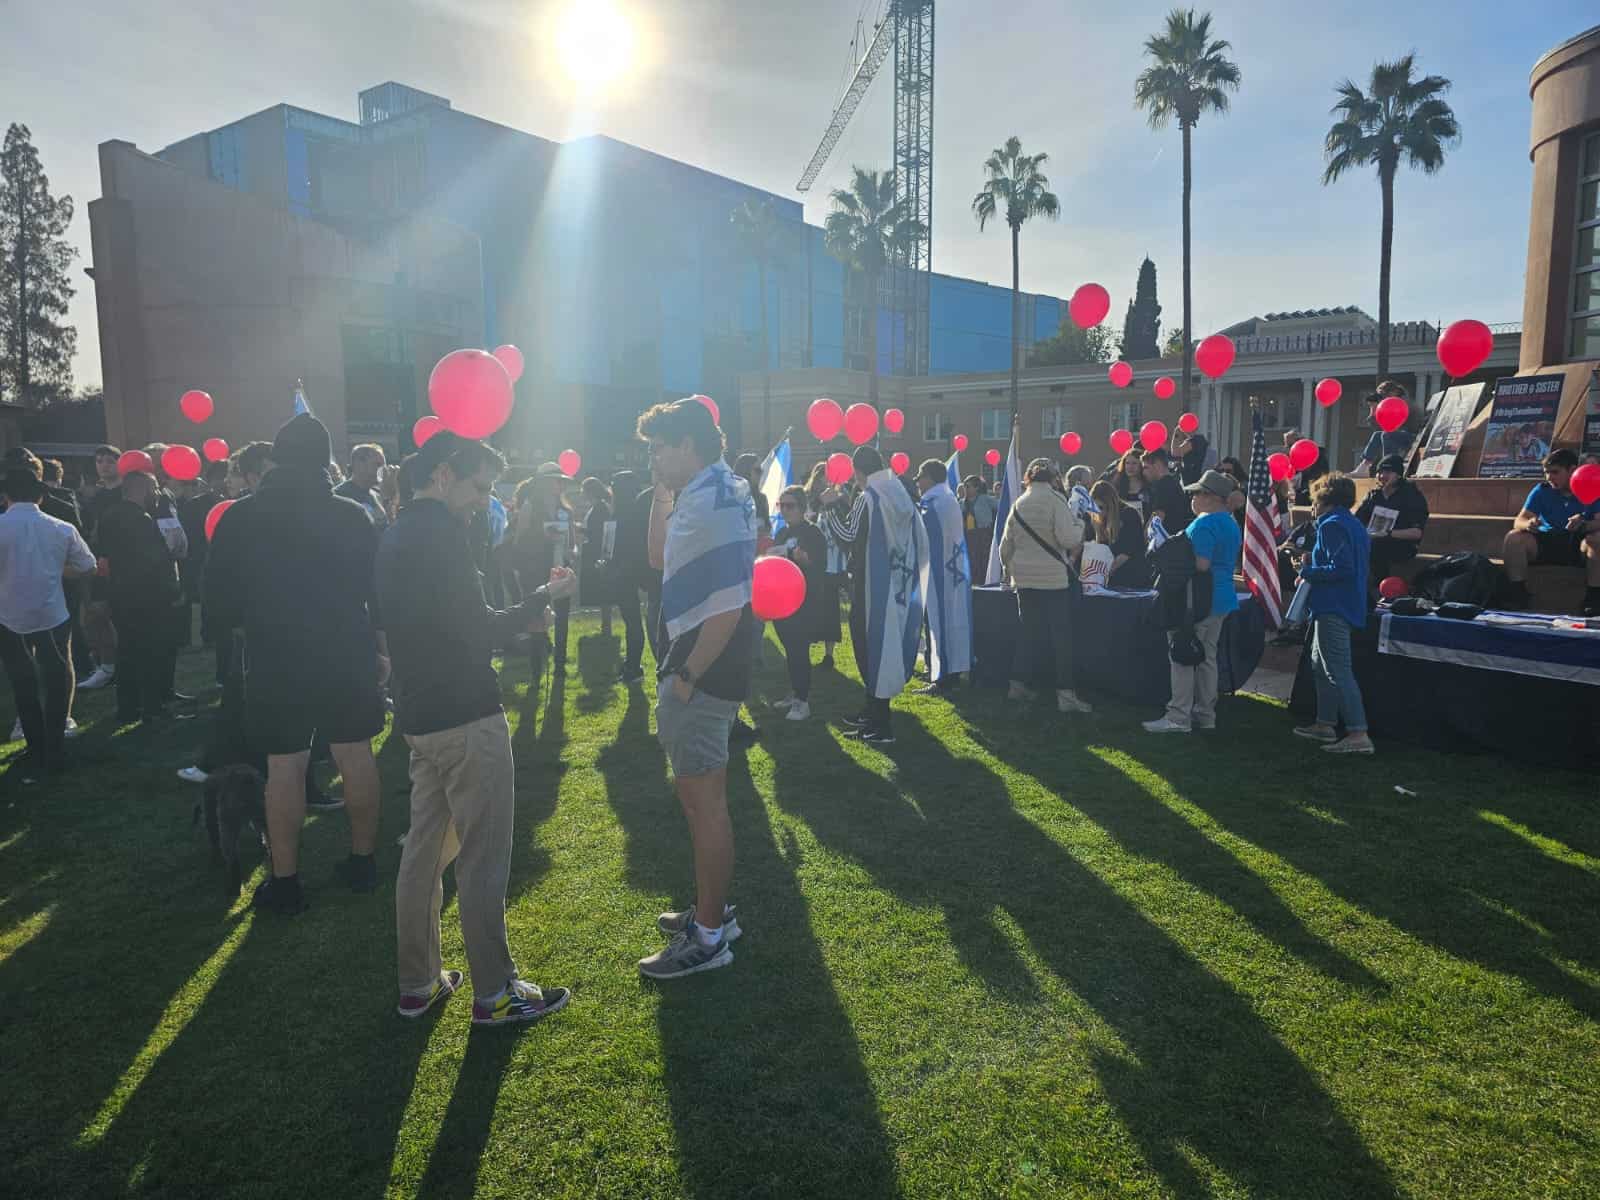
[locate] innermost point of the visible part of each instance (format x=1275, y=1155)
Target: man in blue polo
x=1555, y=528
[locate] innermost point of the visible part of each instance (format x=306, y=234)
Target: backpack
x=1458, y=579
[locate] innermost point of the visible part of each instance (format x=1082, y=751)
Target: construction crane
x=907, y=30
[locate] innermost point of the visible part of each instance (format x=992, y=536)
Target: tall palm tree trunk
x=1385, y=257
x=1188, y=334
x=1016, y=314
x=766, y=358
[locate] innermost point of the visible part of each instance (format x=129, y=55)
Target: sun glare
x=595, y=43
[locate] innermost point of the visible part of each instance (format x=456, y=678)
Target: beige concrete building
x=199, y=285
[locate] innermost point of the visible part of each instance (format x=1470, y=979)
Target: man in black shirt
x=441, y=636
x=632, y=562
x=1166, y=493
x=1395, y=514
x=366, y=464
x=706, y=551
x=142, y=587
x=293, y=566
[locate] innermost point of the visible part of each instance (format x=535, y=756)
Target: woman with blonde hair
x=1117, y=526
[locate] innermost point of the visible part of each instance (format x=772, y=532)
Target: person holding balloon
x=1391, y=436
x=1337, y=570
x=801, y=543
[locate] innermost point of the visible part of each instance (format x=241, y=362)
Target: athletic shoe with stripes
x=686, y=955
x=674, y=923
x=522, y=1003
x=414, y=1004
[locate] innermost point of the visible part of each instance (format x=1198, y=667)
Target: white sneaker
x=193, y=775
x=16, y=731
x=1164, y=726
x=783, y=705
x=101, y=678
x=71, y=729
x=798, y=711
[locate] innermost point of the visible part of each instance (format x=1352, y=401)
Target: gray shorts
x=694, y=735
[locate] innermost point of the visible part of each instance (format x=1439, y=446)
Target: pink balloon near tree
x=1120, y=374
x=1214, y=356
x=824, y=419
x=196, y=405
x=777, y=590
x=471, y=393
x=1089, y=305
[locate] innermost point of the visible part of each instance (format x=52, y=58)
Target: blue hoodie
x=1337, y=568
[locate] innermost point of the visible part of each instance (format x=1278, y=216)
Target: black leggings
x=797, y=653
x=633, y=624
x=30, y=658
x=1046, y=635
x=144, y=660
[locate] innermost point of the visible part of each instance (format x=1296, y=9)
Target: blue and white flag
x=709, y=558
x=1158, y=535
x=300, y=405
x=897, y=582
x=952, y=472
x=1082, y=503
x=1010, y=487
x=776, y=474
x=949, y=594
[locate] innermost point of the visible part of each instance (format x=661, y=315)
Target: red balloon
x=1121, y=374
x=1164, y=388
x=1328, y=392
x=215, y=450
x=214, y=516
x=900, y=462
x=1189, y=422
x=570, y=462
x=1463, y=346
x=471, y=392
x=1121, y=441
x=711, y=407
x=1393, y=588
x=959, y=441
x=1214, y=356
x=825, y=419
x=840, y=468
x=1089, y=305
x=1585, y=483
x=135, y=460
x=1280, y=467
x=1071, y=443
x=196, y=405
x=181, y=463
x=860, y=424
x=992, y=457
x=894, y=420
x=1152, y=435
x=427, y=425
x=1303, y=454
x=1391, y=413
x=510, y=358
x=778, y=589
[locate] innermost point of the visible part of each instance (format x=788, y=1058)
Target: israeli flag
x=1010, y=488
x=1158, y=535
x=952, y=472
x=776, y=474
x=300, y=405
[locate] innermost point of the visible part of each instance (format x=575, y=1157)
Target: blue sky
x=745, y=87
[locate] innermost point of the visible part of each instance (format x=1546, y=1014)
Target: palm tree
x=867, y=230
x=1018, y=187
x=1188, y=75
x=756, y=232
x=1398, y=119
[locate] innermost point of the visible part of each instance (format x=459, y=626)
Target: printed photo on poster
x=1452, y=413
x=1521, y=427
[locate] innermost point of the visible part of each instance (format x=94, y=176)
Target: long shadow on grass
x=1203, y=1074
x=768, y=1091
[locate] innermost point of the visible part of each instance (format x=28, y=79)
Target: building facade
x=612, y=268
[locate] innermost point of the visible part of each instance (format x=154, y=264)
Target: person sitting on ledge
x=1381, y=445
x=1555, y=528
x=1395, y=513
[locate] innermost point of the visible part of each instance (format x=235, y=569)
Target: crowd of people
x=333, y=598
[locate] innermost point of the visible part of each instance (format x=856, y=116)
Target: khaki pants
x=1194, y=689
x=462, y=804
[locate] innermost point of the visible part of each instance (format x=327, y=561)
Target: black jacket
x=292, y=565
x=441, y=633
x=143, y=579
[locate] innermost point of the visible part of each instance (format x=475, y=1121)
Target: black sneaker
x=742, y=732
x=630, y=675
x=280, y=896
x=858, y=721
x=181, y=698
x=359, y=872
x=877, y=737
x=322, y=802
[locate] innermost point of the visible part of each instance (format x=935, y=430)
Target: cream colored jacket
x=1048, y=514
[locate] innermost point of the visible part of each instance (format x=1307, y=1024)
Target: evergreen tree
x=1073, y=345
x=1141, y=328
x=36, y=343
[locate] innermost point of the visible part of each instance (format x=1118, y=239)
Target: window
x=996, y=424
x=1126, y=415
x=1585, y=342
x=1055, y=420
x=937, y=427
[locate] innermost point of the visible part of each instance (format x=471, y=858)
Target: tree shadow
x=1199, y=1060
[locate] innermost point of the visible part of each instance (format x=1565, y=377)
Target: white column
x=1308, y=406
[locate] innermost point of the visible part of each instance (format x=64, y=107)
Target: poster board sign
x=1521, y=427
x=1452, y=413
x=1591, y=421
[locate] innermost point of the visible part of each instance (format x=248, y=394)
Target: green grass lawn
x=1017, y=955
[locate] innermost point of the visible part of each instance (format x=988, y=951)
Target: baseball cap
x=1216, y=483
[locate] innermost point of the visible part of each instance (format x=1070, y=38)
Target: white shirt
x=34, y=550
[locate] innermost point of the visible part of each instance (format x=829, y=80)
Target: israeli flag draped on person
x=1010, y=487
x=949, y=594
x=709, y=557
x=952, y=472
x=776, y=474
x=897, y=582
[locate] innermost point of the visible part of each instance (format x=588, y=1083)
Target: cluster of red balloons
x=777, y=590
x=1585, y=483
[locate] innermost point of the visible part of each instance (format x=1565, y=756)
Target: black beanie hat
x=302, y=442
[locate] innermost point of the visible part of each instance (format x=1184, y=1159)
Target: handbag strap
x=1044, y=545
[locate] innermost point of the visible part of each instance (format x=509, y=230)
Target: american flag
x=1261, y=523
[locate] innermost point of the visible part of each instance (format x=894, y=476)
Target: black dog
x=234, y=798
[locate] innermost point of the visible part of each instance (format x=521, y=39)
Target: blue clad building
x=614, y=269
